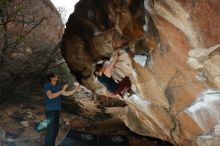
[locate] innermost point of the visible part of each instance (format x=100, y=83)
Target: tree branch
x=56, y=66
x=29, y=31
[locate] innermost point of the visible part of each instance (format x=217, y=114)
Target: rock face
x=175, y=62
x=29, y=32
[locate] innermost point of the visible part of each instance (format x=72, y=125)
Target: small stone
x=2, y=134
x=14, y=133
x=29, y=113
x=217, y=130
x=36, y=120
x=21, y=144
x=9, y=140
x=29, y=116
x=24, y=123
x=39, y=140
x=8, y=112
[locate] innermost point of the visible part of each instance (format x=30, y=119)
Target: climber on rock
x=103, y=72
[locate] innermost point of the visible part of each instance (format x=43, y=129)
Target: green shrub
x=64, y=72
x=4, y=2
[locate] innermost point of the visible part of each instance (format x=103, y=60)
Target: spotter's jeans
x=52, y=127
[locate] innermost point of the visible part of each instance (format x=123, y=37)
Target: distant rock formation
x=29, y=33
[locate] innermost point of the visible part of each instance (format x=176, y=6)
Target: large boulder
x=30, y=32
x=174, y=55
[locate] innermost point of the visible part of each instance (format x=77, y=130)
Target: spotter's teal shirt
x=55, y=103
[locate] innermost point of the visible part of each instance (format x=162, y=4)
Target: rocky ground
x=17, y=126
x=84, y=113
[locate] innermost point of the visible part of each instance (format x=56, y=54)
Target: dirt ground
x=13, y=115
x=18, y=120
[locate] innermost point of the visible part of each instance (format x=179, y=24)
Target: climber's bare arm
x=109, y=67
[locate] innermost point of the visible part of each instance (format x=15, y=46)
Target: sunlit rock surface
x=173, y=57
